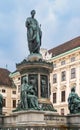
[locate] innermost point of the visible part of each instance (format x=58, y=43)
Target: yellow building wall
x=8, y=96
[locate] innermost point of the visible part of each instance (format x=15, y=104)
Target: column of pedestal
x=39, y=90
x=48, y=86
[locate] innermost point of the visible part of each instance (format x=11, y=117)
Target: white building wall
x=68, y=83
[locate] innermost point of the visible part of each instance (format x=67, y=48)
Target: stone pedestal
x=25, y=118
x=39, y=120
x=1, y=120
x=34, y=57
x=38, y=72
x=73, y=120
x=34, y=120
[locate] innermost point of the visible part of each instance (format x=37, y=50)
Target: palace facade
x=66, y=73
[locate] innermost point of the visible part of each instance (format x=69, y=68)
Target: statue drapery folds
x=34, y=33
x=28, y=98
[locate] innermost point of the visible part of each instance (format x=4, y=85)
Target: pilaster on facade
x=78, y=79
x=58, y=87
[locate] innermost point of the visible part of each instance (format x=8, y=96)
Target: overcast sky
x=59, y=19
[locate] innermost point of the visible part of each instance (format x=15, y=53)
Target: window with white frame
x=63, y=96
x=3, y=90
x=72, y=59
x=62, y=111
x=19, y=78
x=63, y=75
x=73, y=73
x=13, y=92
x=19, y=88
x=4, y=102
x=54, y=97
x=14, y=103
x=54, y=78
x=63, y=62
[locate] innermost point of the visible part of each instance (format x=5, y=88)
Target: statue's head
x=25, y=79
x=73, y=89
x=33, y=12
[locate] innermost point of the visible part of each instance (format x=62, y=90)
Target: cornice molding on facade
x=63, y=87
x=61, y=105
x=64, y=54
x=67, y=65
x=72, y=84
x=54, y=89
x=14, y=74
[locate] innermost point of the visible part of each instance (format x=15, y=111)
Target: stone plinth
x=35, y=120
x=1, y=120
x=24, y=118
x=54, y=119
x=34, y=57
x=73, y=120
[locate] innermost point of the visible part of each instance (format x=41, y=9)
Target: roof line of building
x=67, y=46
x=66, y=53
x=14, y=73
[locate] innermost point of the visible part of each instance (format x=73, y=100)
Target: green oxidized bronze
x=1, y=103
x=48, y=107
x=74, y=102
x=37, y=70
x=28, y=100
x=44, y=86
x=34, y=33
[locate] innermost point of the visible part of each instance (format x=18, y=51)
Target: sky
x=59, y=19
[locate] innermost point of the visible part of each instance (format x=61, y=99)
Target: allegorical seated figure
x=74, y=102
x=28, y=98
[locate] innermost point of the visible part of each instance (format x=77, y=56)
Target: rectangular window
x=62, y=111
x=14, y=104
x=19, y=78
x=19, y=88
x=72, y=59
x=63, y=96
x=73, y=73
x=13, y=92
x=63, y=62
x=63, y=75
x=4, y=102
x=54, y=78
x=3, y=90
x=54, y=97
